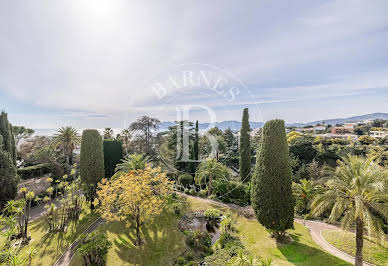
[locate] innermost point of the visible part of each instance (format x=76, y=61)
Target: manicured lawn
x=50, y=246
x=165, y=243
x=346, y=241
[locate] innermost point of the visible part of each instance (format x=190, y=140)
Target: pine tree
x=271, y=192
x=245, y=148
x=91, y=162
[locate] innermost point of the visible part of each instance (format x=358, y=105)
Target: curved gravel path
x=66, y=257
x=316, y=229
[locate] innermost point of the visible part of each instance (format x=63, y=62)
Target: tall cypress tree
x=245, y=148
x=195, y=153
x=271, y=192
x=91, y=162
x=8, y=177
x=8, y=138
x=196, y=142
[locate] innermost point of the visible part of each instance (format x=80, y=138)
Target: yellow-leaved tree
x=135, y=197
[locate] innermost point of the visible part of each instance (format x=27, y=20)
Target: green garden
x=241, y=199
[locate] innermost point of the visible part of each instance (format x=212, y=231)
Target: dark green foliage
x=34, y=171
x=8, y=178
x=220, y=257
x=113, y=153
x=94, y=248
x=271, y=192
x=186, y=180
x=8, y=139
x=303, y=149
x=91, y=162
x=198, y=240
x=245, y=148
x=232, y=192
x=229, y=138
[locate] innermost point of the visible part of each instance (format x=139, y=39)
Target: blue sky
x=96, y=63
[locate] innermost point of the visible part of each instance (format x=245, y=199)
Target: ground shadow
x=300, y=254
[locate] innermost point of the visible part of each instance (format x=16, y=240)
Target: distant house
x=338, y=136
x=319, y=129
x=348, y=128
x=378, y=133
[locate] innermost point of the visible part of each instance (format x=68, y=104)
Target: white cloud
x=102, y=56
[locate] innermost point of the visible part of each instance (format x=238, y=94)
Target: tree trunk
x=359, y=241
x=71, y=158
x=138, y=238
x=209, y=189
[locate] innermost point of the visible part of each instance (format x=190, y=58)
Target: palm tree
x=67, y=139
x=126, y=133
x=379, y=155
x=108, y=133
x=356, y=193
x=209, y=170
x=304, y=192
x=132, y=162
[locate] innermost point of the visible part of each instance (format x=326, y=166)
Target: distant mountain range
x=236, y=125
x=232, y=124
x=344, y=120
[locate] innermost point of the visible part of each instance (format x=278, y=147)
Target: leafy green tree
x=8, y=178
x=208, y=171
x=366, y=140
x=144, y=129
x=303, y=149
x=91, y=162
x=21, y=132
x=66, y=139
x=245, y=148
x=271, y=192
x=356, y=195
x=113, y=154
x=229, y=138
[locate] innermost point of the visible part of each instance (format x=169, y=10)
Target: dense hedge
x=34, y=171
x=113, y=153
x=232, y=191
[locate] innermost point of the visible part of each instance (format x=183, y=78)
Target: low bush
x=192, y=192
x=202, y=193
x=198, y=240
x=220, y=257
x=34, y=171
x=186, y=180
x=94, y=248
